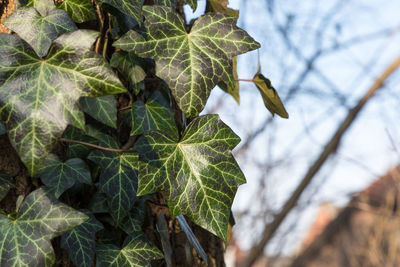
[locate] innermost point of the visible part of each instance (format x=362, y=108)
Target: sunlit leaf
x=153, y=115
x=103, y=109
x=233, y=91
x=198, y=173
x=63, y=175
x=79, y=10
x=118, y=180
x=136, y=252
x=271, y=98
x=80, y=243
x=222, y=7
x=6, y=182
x=190, y=63
x=43, y=6
x=37, y=30
x=39, y=97
x=25, y=240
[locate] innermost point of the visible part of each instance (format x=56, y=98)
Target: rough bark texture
x=183, y=254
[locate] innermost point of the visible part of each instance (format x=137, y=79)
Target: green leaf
x=129, y=65
x=198, y=173
x=103, y=109
x=190, y=63
x=132, y=224
x=80, y=243
x=37, y=30
x=135, y=253
x=168, y=3
x=98, y=203
x=25, y=241
x=43, y=6
x=132, y=8
x=271, y=98
x=39, y=97
x=63, y=175
x=79, y=10
x=221, y=6
x=154, y=115
x=233, y=91
x=2, y=129
x=118, y=180
x=77, y=150
x=191, y=3
x=6, y=182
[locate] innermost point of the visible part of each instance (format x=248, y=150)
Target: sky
x=369, y=148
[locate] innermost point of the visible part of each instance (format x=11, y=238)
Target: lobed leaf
x=80, y=242
x=136, y=252
x=79, y=10
x=118, y=180
x=39, y=30
x=233, y=91
x=103, y=109
x=198, y=173
x=132, y=8
x=63, y=175
x=39, y=97
x=222, y=7
x=153, y=115
x=25, y=240
x=190, y=63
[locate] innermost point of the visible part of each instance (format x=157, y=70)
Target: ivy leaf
x=118, y=180
x=132, y=224
x=190, y=63
x=168, y=3
x=37, y=30
x=233, y=91
x=63, y=175
x=136, y=252
x=132, y=8
x=80, y=243
x=98, y=203
x=38, y=97
x=222, y=7
x=103, y=109
x=129, y=65
x=271, y=98
x=43, y=6
x=191, y=3
x=25, y=240
x=79, y=10
x=6, y=182
x=2, y=129
x=152, y=116
x=198, y=173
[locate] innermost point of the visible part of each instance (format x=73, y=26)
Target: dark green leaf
x=37, y=30
x=129, y=65
x=118, y=180
x=80, y=243
x=63, y=175
x=168, y=3
x=2, y=129
x=190, y=63
x=135, y=253
x=79, y=10
x=103, y=109
x=132, y=224
x=98, y=203
x=25, y=241
x=271, y=98
x=38, y=98
x=221, y=6
x=198, y=173
x=6, y=182
x=154, y=115
x=77, y=150
x=233, y=91
x=131, y=8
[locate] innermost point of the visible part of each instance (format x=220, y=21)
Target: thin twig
x=244, y=80
x=95, y=146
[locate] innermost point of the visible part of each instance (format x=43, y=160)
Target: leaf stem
x=65, y=140
x=244, y=80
